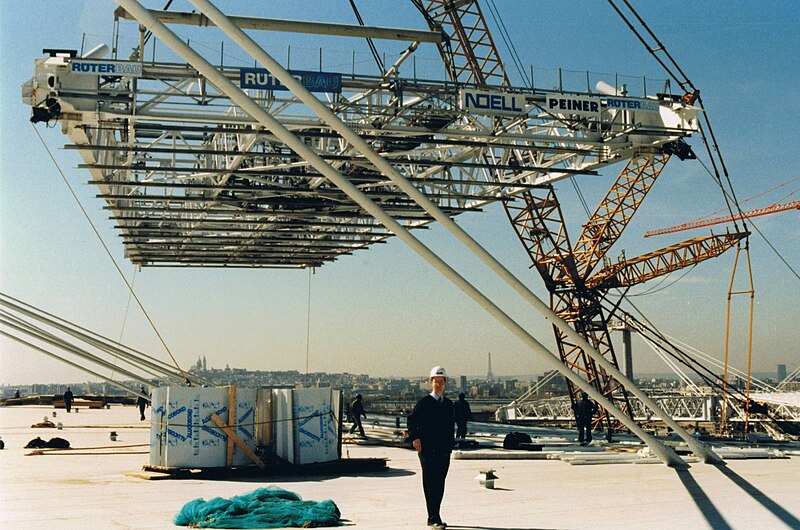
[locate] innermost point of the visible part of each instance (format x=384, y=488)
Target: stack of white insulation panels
x=299, y=425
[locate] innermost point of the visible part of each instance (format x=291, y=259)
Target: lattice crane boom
x=617, y=208
x=470, y=56
x=663, y=261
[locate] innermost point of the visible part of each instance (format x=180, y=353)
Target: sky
x=385, y=311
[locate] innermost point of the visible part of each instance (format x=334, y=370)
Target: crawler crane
x=577, y=289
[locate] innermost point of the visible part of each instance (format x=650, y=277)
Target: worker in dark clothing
x=142, y=403
x=357, y=410
x=584, y=410
x=68, y=399
x=463, y=414
x=430, y=427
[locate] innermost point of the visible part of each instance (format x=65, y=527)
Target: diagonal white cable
x=671, y=364
x=716, y=362
x=74, y=365
x=108, y=252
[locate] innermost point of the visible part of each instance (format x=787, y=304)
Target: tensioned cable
x=580, y=197
x=789, y=378
x=761, y=384
x=308, y=322
x=535, y=389
x=149, y=33
x=663, y=48
x=507, y=41
x=702, y=371
x=125, y=317
x=657, y=288
x=683, y=83
x=752, y=224
x=104, y=344
x=445, y=47
x=756, y=196
x=684, y=358
x=20, y=325
x=775, y=250
x=110, y=256
x=67, y=361
x=83, y=334
x=647, y=326
x=672, y=364
x=372, y=47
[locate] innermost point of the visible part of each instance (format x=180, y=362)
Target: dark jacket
x=462, y=411
x=432, y=423
x=585, y=409
x=357, y=409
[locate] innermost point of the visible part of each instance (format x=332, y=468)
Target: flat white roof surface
x=83, y=488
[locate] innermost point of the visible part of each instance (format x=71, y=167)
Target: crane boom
x=699, y=223
x=663, y=261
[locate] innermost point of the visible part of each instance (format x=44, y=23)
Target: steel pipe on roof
x=78, y=366
x=258, y=53
x=264, y=118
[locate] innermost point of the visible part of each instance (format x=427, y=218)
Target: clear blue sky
x=385, y=311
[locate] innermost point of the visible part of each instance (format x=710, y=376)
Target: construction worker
x=462, y=415
x=357, y=410
x=584, y=410
x=142, y=403
x=68, y=399
x=430, y=427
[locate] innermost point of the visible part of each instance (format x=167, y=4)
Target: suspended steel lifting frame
x=265, y=119
x=192, y=181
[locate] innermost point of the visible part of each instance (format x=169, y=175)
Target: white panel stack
x=158, y=426
x=246, y=400
x=315, y=426
x=303, y=425
x=283, y=428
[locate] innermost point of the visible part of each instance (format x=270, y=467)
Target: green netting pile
x=269, y=507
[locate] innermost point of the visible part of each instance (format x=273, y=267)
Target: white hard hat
x=438, y=371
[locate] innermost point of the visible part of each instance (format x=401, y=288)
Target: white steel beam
x=258, y=53
x=244, y=101
x=297, y=26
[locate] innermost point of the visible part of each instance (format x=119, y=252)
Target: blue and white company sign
x=635, y=104
x=577, y=105
x=93, y=67
x=261, y=79
x=492, y=103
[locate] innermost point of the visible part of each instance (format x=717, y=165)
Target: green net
x=269, y=507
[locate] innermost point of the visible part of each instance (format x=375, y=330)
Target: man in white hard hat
x=430, y=427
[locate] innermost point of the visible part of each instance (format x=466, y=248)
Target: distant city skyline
x=385, y=311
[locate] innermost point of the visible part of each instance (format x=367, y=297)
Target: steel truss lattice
x=190, y=179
